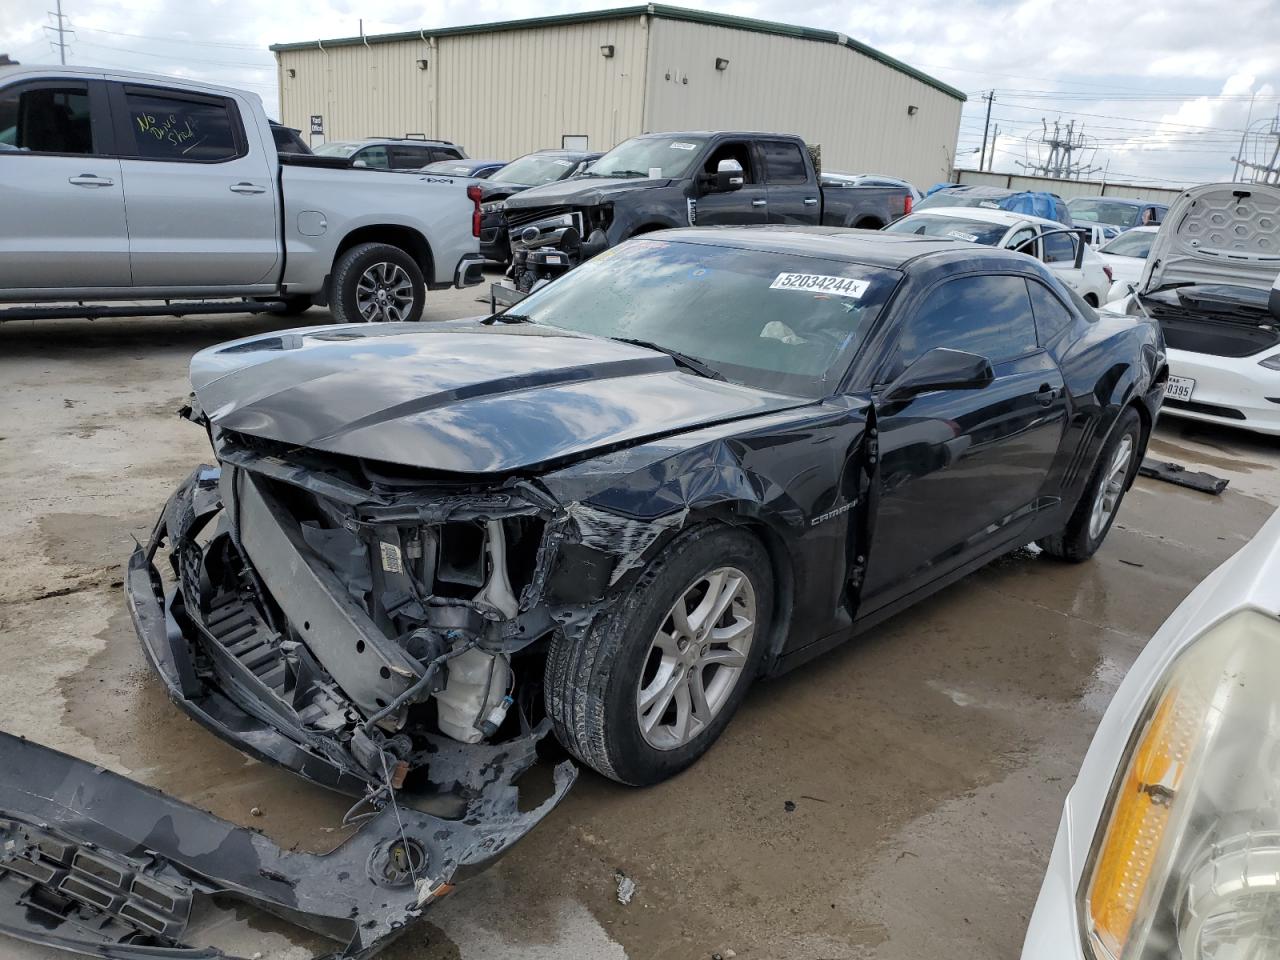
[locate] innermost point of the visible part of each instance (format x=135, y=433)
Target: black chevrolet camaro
x=702, y=457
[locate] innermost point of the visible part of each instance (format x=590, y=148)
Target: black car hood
x=460, y=397
x=582, y=191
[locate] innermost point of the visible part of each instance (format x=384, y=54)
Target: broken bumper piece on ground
x=94, y=863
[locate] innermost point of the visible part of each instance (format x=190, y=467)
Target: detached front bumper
x=96, y=864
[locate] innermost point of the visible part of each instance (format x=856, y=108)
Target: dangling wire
x=404, y=840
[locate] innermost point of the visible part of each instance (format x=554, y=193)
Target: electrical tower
x=1264, y=167
x=1063, y=144
x=62, y=27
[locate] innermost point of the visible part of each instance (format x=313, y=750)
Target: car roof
x=428, y=141
x=717, y=133
x=1007, y=217
x=564, y=153
x=869, y=247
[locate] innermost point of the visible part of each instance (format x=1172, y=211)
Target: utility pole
x=995, y=138
x=61, y=29
x=991, y=95
x=1235, y=174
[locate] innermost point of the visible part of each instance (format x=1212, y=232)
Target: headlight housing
x=493, y=206
x=1186, y=865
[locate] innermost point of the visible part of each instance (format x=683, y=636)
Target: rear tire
x=376, y=282
x=1114, y=470
x=623, y=697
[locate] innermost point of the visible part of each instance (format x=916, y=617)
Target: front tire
x=656, y=679
x=1115, y=469
x=376, y=282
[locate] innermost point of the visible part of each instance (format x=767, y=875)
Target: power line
x=201, y=43
x=261, y=65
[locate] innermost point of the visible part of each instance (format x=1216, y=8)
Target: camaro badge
x=823, y=517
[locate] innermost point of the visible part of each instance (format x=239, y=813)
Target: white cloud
x=1082, y=60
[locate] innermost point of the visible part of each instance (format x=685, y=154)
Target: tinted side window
x=783, y=162
x=410, y=158
x=168, y=126
x=1052, y=318
x=1059, y=248
x=445, y=153
x=375, y=157
x=987, y=315
x=47, y=119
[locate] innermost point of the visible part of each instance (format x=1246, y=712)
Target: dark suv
x=391, y=153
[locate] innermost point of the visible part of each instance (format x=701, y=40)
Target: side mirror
x=359, y=163
x=729, y=176
x=941, y=369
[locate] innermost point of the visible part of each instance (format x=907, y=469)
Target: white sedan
x=1062, y=251
x=1126, y=255
x=1169, y=843
x=1212, y=280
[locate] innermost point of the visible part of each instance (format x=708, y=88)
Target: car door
x=200, y=189
x=1059, y=255
x=746, y=205
x=961, y=471
x=793, y=197
x=61, y=192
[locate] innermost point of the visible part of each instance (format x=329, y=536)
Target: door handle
x=810, y=201
x=91, y=180
x=247, y=188
x=1046, y=395
x=758, y=203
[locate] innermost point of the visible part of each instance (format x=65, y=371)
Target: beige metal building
x=504, y=89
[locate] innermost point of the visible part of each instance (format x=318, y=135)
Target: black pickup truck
x=662, y=180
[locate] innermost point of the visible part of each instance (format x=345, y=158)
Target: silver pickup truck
x=127, y=187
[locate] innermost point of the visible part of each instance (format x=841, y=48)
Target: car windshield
x=955, y=228
x=336, y=149
x=1136, y=243
x=1090, y=210
x=770, y=320
x=649, y=156
x=534, y=170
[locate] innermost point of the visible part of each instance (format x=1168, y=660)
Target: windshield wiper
x=507, y=317
x=683, y=359
x=623, y=173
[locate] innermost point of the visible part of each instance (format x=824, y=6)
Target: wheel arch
x=396, y=235
x=868, y=223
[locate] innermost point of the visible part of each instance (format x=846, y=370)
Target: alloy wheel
x=697, y=658
x=384, y=292
x=1112, y=487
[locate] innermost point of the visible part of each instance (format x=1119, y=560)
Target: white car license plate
x=1179, y=388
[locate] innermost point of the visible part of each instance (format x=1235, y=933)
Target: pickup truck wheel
x=656, y=678
x=1092, y=518
x=377, y=282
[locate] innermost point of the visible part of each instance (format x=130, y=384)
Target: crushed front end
x=344, y=623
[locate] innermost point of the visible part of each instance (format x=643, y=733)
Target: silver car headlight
x=1186, y=864
x=493, y=206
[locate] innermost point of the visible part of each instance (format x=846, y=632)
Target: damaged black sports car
x=703, y=457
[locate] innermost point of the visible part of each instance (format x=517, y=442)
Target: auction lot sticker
x=820, y=283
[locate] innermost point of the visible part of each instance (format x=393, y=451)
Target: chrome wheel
x=696, y=658
x=1112, y=487
x=384, y=292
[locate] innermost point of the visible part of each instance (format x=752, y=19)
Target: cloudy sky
x=1163, y=90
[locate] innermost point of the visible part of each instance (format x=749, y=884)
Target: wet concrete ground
x=927, y=762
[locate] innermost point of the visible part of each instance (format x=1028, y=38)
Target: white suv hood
x=1218, y=233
